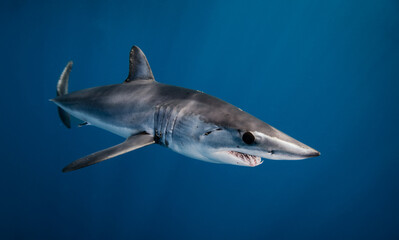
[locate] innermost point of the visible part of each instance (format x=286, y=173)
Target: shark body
x=187, y=121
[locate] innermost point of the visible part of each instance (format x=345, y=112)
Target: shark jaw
x=231, y=157
x=246, y=159
x=228, y=156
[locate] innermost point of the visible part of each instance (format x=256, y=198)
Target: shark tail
x=62, y=89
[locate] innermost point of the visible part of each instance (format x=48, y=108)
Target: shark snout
x=293, y=150
x=279, y=146
x=312, y=153
x=294, y=153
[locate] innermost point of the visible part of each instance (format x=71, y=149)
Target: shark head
x=232, y=136
x=248, y=147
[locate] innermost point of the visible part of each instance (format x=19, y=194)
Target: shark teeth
x=248, y=159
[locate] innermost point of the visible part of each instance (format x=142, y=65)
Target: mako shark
x=189, y=122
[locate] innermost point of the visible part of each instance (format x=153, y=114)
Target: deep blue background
x=324, y=72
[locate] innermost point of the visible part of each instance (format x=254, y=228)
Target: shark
x=144, y=112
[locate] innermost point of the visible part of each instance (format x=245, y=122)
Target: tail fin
x=62, y=89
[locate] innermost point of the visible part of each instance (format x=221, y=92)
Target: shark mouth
x=249, y=160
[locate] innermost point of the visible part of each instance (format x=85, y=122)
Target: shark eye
x=248, y=138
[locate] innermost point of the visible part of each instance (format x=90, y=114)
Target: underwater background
x=324, y=72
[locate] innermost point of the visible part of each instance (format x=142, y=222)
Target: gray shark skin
x=187, y=121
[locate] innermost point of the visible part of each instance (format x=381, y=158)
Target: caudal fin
x=62, y=89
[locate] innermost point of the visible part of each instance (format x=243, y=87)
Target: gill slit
x=165, y=118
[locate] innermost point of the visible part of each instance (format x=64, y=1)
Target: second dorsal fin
x=139, y=69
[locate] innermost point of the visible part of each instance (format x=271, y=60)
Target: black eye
x=248, y=138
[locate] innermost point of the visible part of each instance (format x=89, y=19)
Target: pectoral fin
x=132, y=143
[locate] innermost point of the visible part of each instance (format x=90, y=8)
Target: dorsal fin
x=139, y=69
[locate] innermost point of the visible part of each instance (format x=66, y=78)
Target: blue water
x=324, y=72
